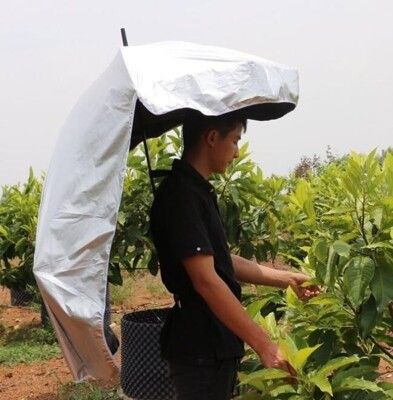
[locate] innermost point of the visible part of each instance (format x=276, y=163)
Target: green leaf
x=3, y=232
x=351, y=383
x=268, y=323
x=271, y=324
x=379, y=245
x=264, y=375
x=357, y=276
x=324, y=299
x=289, y=350
x=336, y=363
x=327, y=271
x=291, y=298
x=297, y=260
x=350, y=186
x=303, y=355
x=278, y=389
x=322, y=383
x=254, y=307
x=20, y=245
x=370, y=158
x=235, y=194
x=382, y=282
x=342, y=248
x=354, y=372
x=388, y=388
x=121, y=219
x=302, y=197
x=367, y=317
x=298, y=397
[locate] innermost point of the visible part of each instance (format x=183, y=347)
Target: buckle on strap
x=177, y=300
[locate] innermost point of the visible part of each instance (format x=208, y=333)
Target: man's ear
x=211, y=137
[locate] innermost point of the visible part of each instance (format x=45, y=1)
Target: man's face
x=226, y=149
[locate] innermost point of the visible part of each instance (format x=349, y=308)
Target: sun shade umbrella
x=145, y=91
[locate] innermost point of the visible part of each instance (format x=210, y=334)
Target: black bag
x=144, y=374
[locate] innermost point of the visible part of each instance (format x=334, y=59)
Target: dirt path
x=38, y=381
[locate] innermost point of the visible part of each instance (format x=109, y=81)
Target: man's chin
x=219, y=171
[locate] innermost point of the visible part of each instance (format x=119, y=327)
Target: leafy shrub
x=18, y=221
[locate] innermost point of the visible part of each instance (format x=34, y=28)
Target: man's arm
x=250, y=272
x=229, y=310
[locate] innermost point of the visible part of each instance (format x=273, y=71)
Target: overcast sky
x=51, y=51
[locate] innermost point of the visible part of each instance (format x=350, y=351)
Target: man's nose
x=236, y=153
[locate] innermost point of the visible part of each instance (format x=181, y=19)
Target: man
x=203, y=336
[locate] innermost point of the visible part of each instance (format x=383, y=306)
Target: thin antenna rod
x=125, y=44
x=153, y=186
x=124, y=36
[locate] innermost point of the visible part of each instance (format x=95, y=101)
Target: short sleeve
x=186, y=226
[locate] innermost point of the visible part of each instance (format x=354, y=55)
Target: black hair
x=196, y=124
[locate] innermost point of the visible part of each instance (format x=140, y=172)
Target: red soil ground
x=40, y=381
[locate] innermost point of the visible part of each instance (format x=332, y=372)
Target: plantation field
x=332, y=220
x=50, y=379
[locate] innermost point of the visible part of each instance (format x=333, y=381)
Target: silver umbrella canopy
x=146, y=90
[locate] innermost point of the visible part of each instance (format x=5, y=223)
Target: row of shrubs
x=332, y=219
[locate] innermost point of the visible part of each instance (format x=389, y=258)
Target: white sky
x=52, y=50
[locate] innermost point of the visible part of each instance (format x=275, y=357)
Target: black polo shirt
x=185, y=221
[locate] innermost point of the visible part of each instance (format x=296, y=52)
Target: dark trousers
x=204, y=379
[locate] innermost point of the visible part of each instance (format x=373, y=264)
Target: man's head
x=213, y=138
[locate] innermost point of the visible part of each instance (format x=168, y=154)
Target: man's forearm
x=250, y=272
x=230, y=312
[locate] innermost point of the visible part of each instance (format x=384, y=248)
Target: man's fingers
x=284, y=365
x=308, y=293
x=292, y=378
x=298, y=291
x=292, y=370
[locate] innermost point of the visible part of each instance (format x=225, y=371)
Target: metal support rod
x=125, y=43
x=124, y=36
x=149, y=165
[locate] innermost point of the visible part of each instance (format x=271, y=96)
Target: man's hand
x=271, y=357
x=296, y=279
x=251, y=272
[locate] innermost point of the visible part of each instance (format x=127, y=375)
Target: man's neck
x=198, y=164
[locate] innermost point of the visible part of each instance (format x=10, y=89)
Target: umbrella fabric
x=145, y=89
x=170, y=77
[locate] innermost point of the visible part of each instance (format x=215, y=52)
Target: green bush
x=18, y=222
x=338, y=226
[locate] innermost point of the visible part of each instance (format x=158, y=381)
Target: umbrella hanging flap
x=78, y=216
